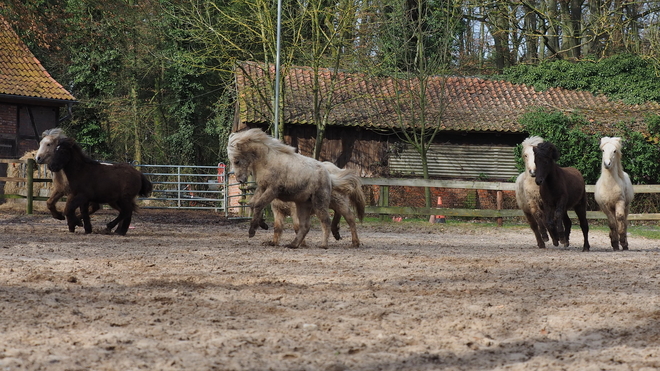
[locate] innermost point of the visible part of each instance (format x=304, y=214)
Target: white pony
x=527, y=192
x=614, y=191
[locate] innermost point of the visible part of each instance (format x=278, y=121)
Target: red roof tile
x=469, y=103
x=21, y=74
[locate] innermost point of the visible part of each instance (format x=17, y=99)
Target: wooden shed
x=30, y=99
x=478, y=119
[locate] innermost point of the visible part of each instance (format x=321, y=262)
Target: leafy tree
x=417, y=44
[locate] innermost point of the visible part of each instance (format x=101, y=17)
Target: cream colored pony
x=614, y=192
x=527, y=192
x=281, y=173
x=348, y=193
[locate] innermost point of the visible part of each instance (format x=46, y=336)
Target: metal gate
x=186, y=187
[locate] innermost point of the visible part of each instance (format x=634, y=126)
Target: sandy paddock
x=190, y=291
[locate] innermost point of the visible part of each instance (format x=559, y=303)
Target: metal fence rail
x=186, y=187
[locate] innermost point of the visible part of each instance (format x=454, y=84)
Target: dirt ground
x=191, y=291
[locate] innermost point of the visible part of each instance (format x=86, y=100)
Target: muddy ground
x=190, y=291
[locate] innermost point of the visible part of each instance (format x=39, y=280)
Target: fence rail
x=207, y=187
x=384, y=209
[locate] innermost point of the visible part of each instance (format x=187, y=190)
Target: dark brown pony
x=49, y=141
x=90, y=181
x=561, y=188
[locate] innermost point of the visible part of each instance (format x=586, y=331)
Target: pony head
x=528, y=153
x=61, y=154
x=611, y=147
x=545, y=156
x=247, y=148
x=48, y=144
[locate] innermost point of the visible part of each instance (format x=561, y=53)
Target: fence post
x=500, y=222
x=30, y=184
x=384, y=199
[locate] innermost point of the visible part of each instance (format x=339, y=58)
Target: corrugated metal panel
x=458, y=161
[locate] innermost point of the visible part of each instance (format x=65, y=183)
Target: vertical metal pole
x=277, y=70
x=178, y=186
x=30, y=184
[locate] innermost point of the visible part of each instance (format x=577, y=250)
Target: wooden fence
x=383, y=207
x=29, y=180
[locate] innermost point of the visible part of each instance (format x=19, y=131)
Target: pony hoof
x=291, y=246
x=585, y=249
x=59, y=217
x=269, y=243
x=251, y=233
x=263, y=225
x=336, y=236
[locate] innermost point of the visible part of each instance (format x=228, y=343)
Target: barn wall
x=458, y=161
x=455, y=155
x=17, y=133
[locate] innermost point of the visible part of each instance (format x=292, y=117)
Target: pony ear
x=555, y=153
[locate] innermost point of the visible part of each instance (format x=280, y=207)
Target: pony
x=614, y=192
x=281, y=173
x=528, y=197
x=561, y=188
x=91, y=181
x=343, y=197
x=47, y=145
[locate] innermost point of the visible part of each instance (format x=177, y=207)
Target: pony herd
x=299, y=186
x=545, y=192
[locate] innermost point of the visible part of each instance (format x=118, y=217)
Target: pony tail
x=147, y=187
x=359, y=201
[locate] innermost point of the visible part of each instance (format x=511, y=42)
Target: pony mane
x=75, y=146
x=616, y=141
x=256, y=136
x=55, y=132
x=532, y=141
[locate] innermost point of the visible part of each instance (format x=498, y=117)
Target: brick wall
x=450, y=197
x=8, y=116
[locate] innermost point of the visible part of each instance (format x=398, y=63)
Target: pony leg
x=622, y=224
x=537, y=214
x=50, y=204
x=342, y=208
x=550, y=224
x=124, y=224
x=86, y=220
x=581, y=211
x=304, y=213
x=558, y=221
x=567, y=229
x=73, y=203
x=534, y=225
x=612, y=224
x=324, y=216
x=279, y=214
x=259, y=201
x=334, y=227
x=123, y=219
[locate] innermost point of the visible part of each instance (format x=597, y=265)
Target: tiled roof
x=469, y=103
x=21, y=74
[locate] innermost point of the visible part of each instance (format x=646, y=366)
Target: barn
x=478, y=119
x=30, y=99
